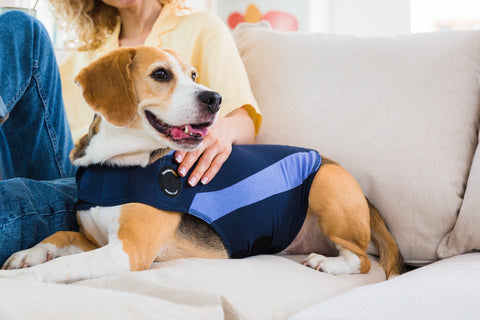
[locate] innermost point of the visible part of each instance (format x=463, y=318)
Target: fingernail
x=192, y=181
x=178, y=158
x=204, y=180
x=182, y=171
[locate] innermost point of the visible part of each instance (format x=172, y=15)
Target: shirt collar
x=166, y=21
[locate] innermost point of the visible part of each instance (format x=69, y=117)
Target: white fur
x=185, y=97
x=102, y=223
x=345, y=263
x=106, y=260
x=72, y=263
x=40, y=253
x=111, y=142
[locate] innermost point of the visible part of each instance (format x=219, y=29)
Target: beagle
x=134, y=209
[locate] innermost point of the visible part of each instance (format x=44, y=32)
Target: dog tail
x=390, y=257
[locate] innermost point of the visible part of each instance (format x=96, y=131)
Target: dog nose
x=211, y=99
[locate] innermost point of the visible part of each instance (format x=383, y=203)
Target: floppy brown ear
x=108, y=88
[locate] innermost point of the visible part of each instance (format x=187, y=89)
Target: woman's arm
x=220, y=68
x=236, y=128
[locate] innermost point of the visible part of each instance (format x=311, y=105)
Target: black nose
x=211, y=100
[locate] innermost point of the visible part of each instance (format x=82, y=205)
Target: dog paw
x=314, y=261
x=333, y=265
x=30, y=257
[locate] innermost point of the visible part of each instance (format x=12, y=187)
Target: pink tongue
x=179, y=132
x=202, y=131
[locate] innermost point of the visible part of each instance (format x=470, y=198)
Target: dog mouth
x=184, y=133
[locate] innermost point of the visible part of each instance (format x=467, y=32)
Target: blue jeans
x=37, y=191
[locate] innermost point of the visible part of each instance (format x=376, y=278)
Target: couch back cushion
x=465, y=236
x=400, y=113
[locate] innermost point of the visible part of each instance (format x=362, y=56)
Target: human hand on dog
x=236, y=128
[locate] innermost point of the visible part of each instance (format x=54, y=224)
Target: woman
x=102, y=26
x=199, y=37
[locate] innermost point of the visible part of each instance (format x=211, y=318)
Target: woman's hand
x=236, y=128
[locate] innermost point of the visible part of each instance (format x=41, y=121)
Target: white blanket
x=261, y=287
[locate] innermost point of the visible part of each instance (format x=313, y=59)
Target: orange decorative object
x=279, y=20
x=253, y=14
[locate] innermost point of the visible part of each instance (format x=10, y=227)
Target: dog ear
x=108, y=88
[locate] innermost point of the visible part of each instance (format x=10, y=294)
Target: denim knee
x=22, y=33
x=32, y=102
x=17, y=20
x=23, y=41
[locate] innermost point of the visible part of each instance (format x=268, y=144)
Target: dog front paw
x=30, y=257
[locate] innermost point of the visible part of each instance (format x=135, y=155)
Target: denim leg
x=35, y=138
x=31, y=210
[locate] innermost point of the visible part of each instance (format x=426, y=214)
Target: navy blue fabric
x=257, y=202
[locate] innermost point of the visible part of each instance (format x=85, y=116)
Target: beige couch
x=402, y=115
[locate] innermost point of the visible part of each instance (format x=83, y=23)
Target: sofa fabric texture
x=446, y=289
x=465, y=236
x=400, y=113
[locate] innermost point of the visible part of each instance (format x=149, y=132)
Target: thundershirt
x=256, y=203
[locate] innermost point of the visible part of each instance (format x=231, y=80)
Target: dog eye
x=194, y=75
x=161, y=75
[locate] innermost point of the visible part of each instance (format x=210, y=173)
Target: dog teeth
x=186, y=130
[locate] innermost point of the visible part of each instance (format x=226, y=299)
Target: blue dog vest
x=257, y=202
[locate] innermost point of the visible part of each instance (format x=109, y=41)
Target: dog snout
x=211, y=100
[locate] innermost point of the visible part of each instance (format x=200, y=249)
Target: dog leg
x=145, y=231
x=343, y=216
x=57, y=245
x=103, y=261
x=142, y=231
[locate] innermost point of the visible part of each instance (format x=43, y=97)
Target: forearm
x=241, y=126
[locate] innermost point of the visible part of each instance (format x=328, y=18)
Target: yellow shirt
x=199, y=37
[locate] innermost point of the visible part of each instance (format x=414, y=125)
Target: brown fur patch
x=159, y=153
x=342, y=210
x=148, y=233
x=108, y=88
x=80, y=148
x=143, y=231
x=390, y=257
x=141, y=68
x=64, y=239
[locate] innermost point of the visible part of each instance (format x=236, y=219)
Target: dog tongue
x=179, y=132
x=201, y=131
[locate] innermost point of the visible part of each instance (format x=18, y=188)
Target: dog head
x=146, y=99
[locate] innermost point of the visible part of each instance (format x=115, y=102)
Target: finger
x=179, y=155
x=202, y=166
x=214, y=167
x=188, y=160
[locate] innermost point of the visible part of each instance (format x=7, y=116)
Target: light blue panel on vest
x=283, y=175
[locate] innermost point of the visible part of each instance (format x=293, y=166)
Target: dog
x=148, y=103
